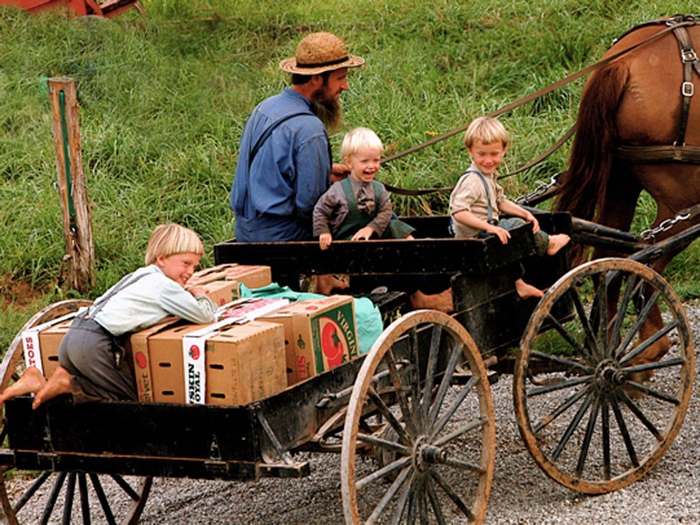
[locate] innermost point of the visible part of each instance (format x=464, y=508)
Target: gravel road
x=522, y=494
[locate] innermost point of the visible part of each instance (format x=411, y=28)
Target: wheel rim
x=120, y=500
x=587, y=415
x=435, y=438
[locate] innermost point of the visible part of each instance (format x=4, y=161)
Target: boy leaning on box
x=92, y=354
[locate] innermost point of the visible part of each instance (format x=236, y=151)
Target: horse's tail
x=590, y=162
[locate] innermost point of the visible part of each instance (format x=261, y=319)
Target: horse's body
x=636, y=101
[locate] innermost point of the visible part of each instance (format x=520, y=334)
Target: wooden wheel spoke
x=654, y=393
x=84, y=498
x=389, y=415
x=463, y=507
x=26, y=496
x=128, y=489
x=678, y=361
x=587, y=437
x=572, y=426
x=567, y=383
x=51, y=501
x=596, y=353
x=389, y=495
x=97, y=485
x=430, y=372
x=462, y=465
x=648, y=342
x=605, y=426
x=569, y=363
x=640, y=415
x=384, y=471
x=408, y=415
x=599, y=313
x=631, y=285
x=571, y=340
x=460, y=431
x=641, y=319
x=624, y=432
x=445, y=418
x=445, y=383
x=435, y=505
x=554, y=414
x=386, y=444
x=70, y=493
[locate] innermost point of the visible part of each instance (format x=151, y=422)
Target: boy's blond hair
x=359, y=138
x=488, y=130
x=171, y=239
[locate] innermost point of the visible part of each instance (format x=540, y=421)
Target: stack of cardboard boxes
x=257, y=348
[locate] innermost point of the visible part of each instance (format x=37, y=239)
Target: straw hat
x=318, y=53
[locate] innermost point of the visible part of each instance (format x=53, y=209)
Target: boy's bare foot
x=58, y=383
x=440, y=301
x=328, y=284
x=557, y=242
x=527, y=290
x=30, y=383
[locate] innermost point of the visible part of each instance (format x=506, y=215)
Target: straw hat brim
x=290, y=66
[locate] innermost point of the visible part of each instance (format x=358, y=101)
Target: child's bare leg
x=557, y=242
x=58, y=383
x=327, y=283
x=527, y=290
x=440, y=301
x=30, y=383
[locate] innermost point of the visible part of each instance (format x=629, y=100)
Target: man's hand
x=339, y=172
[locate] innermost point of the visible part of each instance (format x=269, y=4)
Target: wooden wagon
x=413, y=419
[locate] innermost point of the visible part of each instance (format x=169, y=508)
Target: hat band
x=322, y=64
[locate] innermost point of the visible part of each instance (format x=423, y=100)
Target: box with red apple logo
x=320, y=334
x=222, y=283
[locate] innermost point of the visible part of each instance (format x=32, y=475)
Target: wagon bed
x=399, y=403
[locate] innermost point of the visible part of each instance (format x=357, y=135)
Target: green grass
x=164, y=97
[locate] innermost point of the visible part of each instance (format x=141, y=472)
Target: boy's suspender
x=489, y=213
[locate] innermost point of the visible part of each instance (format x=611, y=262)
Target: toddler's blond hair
x=359, y=138
x=488, y=130
x=171, y=239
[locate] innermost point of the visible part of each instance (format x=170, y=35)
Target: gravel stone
x=522, y=494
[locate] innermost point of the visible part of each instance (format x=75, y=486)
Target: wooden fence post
x=72, y=188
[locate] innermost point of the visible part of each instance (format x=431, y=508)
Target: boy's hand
x=363, y=234
x=532, y=220
x=502, y=234
x=196, y=290
x=324, y=240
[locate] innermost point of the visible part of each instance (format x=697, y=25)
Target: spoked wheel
x=55, y=496
x=604, y=376
x=419, y=437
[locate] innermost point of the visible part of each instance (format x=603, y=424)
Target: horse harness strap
x=679, y=151
x=690, y=61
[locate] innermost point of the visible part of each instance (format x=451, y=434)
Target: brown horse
x=630, y=120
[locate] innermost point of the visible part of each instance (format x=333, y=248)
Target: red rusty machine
x=105, y=8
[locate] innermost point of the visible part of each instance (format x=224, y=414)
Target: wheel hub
x=609, y=375
x=425, y=454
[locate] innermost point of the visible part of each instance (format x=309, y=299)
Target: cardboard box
x=251, y=276
x=222, y=292
x=42, y=352
x=50, y=339
x=166, y=363
x=320, y=334
x=138, y=343
x=245, y=363
x=250, y=308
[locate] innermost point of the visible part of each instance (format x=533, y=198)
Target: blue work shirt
x=273, y=196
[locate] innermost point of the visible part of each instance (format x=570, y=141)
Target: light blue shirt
x=273, y=196
x=149, y=300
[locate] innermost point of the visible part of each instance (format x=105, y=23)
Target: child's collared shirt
x=470, y=194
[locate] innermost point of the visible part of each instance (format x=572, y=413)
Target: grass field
x=164, y=96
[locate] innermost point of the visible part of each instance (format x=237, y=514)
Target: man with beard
x=285, y=162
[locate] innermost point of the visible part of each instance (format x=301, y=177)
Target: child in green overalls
x=358, y=207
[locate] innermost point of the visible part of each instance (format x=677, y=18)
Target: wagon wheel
x=121, y=499
x=422, y=405
x=595, y=410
